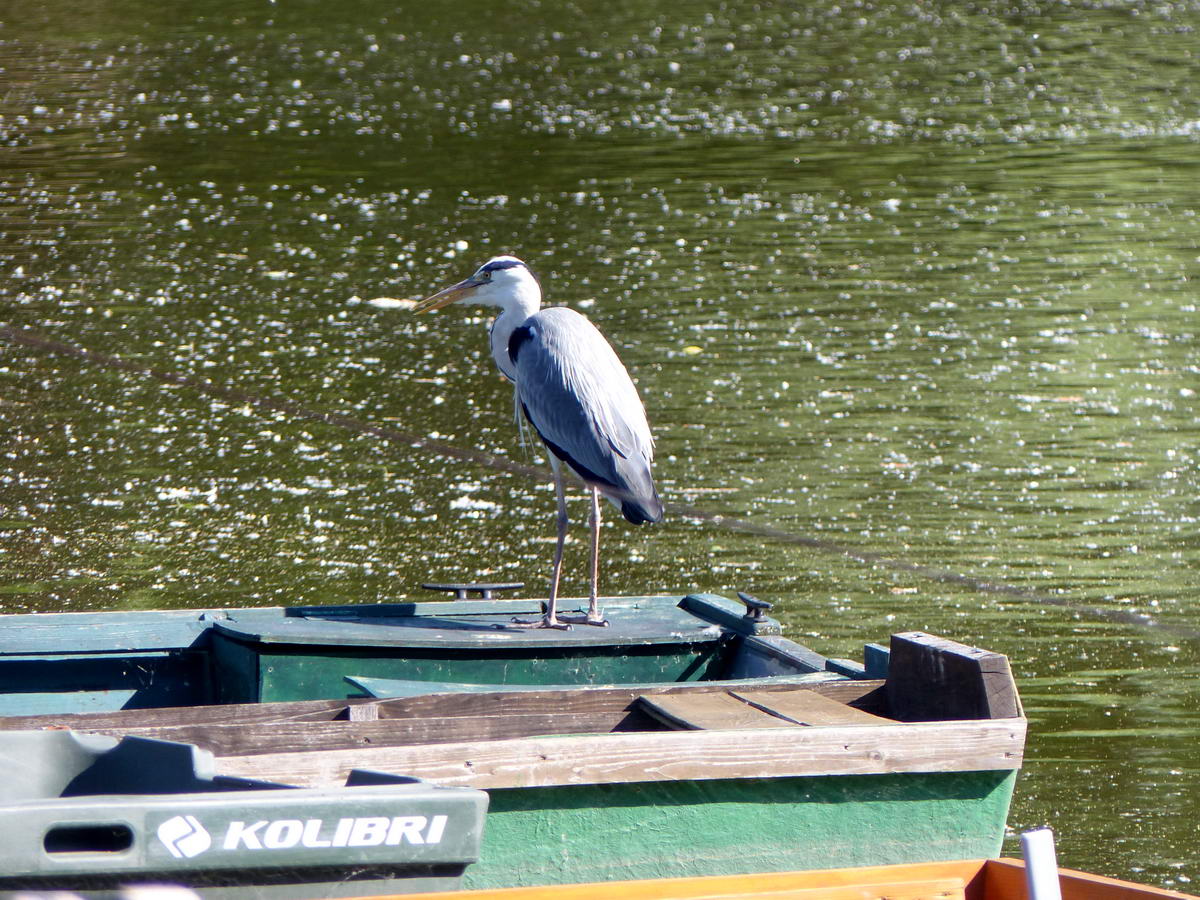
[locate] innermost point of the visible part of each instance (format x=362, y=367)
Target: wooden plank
x=281, y=737
x=808, y=708
x=875, y=660
x=167, y=716
x=395, y=688
x=64, y=634
x=363, y=712
x=694, y=711
x=935, y=679
x=993, y=879
x=915, y=881
x=663, y=756
x=1004, y=879
x=770, y=655
x=585, y=698
x=940, y=889
x=65, y=702
x=582, y=701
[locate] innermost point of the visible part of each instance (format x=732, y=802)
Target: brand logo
x=363, y=831
x=184, y=837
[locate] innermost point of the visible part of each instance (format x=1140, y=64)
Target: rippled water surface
x=913, y=282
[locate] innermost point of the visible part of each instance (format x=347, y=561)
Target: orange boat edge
x=979, y=879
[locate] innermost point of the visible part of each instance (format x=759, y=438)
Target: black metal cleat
x=755, y=608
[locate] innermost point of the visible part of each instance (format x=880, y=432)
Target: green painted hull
x=652, y=830
x=279, y=675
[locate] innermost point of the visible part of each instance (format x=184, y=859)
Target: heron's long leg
x=593, y=616
x=560, y=493
x=594, y=597
x=551, y=619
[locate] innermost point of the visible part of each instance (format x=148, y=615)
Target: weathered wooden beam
x=976, y=879
x=587, y=699
x=663, y=756
x=167, y=716
x=721, y=710
x=794, y=886
x=753, y=709
x=581, y=701
x=807, y=708
x=278, y=737
x=932, y=678
x=771, y=655
x=1005, y=880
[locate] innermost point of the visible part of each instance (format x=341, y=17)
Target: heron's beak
x=447, y=296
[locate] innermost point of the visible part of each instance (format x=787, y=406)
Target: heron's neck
x=511, y=318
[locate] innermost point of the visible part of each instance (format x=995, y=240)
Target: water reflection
x=910, y=279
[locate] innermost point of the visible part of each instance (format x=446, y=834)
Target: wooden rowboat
x=990, y=879
x=624, y=781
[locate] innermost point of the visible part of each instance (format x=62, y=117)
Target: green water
x=911, y=280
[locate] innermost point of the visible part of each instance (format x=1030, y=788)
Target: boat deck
x=79, y=662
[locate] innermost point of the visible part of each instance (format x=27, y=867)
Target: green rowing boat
x=690, y=738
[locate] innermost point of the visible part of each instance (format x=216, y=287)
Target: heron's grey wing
x=578, y=396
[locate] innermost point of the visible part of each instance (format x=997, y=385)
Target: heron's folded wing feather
x=580, y=399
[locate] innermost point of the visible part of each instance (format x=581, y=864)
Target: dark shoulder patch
x=517, y=340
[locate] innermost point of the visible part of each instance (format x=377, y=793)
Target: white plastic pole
x=1041, y=864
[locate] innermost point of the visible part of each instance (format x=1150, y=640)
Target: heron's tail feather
x=640, y=510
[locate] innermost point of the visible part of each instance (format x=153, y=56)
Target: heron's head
x=501, y=281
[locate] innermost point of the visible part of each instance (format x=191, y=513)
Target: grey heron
x=574, y=391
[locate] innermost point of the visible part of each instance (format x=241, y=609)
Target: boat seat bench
x=753, y=709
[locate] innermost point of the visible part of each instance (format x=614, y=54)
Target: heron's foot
x=544, y=622
x=588, y=618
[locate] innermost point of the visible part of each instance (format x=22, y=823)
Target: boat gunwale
x=978, y=879
x=639, y=756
